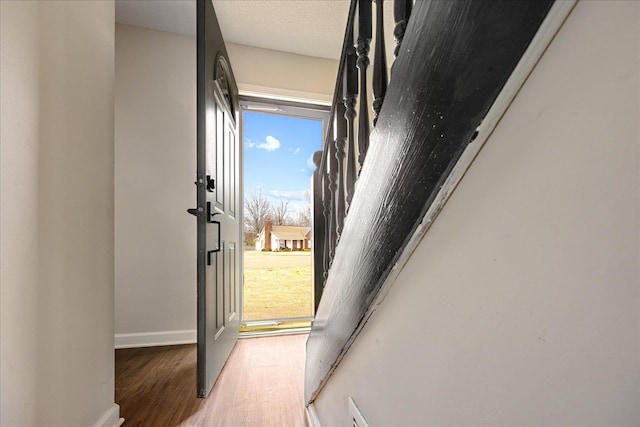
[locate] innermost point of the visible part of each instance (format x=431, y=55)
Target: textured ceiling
x=306, y=27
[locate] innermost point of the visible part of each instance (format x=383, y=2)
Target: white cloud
x=270, y=144
x=249, y=143
x=288, y=195
x=297, y=150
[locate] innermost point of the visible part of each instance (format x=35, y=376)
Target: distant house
x=273, y=237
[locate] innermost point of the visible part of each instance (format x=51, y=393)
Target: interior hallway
x=261, y=385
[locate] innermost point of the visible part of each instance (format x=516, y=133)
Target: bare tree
x=257, y=209
x=303, y=216
x=279, y=213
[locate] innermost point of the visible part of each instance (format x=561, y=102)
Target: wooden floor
x=261, y=385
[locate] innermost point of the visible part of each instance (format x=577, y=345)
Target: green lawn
x=277, y=285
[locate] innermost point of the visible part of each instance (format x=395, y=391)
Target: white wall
x=264, y=72
x=19, y=211
x=155, y=167
x=155, y=161
x=521, y=304
x=57, y=213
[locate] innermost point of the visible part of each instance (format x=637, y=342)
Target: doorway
x=279, y=139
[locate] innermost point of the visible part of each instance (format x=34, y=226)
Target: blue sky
x=277, y=156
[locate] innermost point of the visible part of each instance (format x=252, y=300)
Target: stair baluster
x=319, y=227
x=350, y=91
x=362, y=48
x=401, y=14
x=326, y=210
x=341, y=138
x=379, y=62
x=333, y=188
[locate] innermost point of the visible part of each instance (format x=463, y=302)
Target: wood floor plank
x=261, y=385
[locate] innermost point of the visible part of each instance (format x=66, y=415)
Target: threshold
x=272, y=327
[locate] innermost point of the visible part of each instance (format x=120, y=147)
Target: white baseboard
x=312, y=416
x=111, y=418
x=154, y=339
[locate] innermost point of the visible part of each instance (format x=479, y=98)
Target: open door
x=218, y=198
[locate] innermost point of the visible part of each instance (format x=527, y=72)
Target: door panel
x=220, y=163
x=232, y=311
x=219, y=230
x=232, y=173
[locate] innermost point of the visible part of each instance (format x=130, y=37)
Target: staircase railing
x=449, y=88
x=347, y=139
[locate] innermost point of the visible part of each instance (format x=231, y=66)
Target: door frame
x=264, y=104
